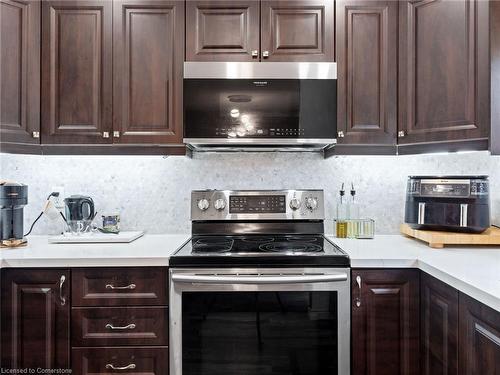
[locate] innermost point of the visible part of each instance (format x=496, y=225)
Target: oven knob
x=203, y=204
x=220, y=204
x=294, y=203
x=311, y=203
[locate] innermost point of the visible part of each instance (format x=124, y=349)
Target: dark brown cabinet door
x=20, y=71
x=76, y=71
x=479, y=344
x=136, y=286
x=35, y=318
x=148, y=44
x=297, y=30
x=367, y=72
x=444, y=71
x=385, y=322
x=223, y=30
x=132, y=360
x=438, y=327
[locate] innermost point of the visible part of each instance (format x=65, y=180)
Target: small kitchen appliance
x=13, y=198
x=452, y=203
x=80, y=212
x=259, y=281
x=253, y=106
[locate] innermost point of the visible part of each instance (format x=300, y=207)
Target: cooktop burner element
x=294, y=247
x=212, y=245
x=258, y=228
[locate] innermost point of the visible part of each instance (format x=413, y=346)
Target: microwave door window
x=218, y=108
x=259, y=333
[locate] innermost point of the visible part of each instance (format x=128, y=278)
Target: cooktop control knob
x=294, y=203
x=203, y=204
x=220, y=204
x=311, y=203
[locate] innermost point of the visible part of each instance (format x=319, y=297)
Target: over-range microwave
x=246, y=106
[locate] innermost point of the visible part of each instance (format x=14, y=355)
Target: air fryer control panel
x=447, y=188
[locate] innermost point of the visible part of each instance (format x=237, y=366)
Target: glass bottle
x=342, y=215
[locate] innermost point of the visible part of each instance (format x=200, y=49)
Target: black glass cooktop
x=261, y=250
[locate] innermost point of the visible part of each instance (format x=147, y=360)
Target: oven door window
x=259, y=333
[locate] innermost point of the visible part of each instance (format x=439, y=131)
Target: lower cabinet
x=479, y=341
x=35, y=318
x=385, y=322
x=132, y=360
x=438, y=327
x=119, y=320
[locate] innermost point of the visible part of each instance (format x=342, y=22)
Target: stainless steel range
x=259, y=289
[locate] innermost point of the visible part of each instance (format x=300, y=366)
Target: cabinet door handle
x=61, y=284
x=340, y=134
x=128, y=326
x=36, y=134
x=130, y=366
x=116, y=134
x=358, y=298
x=131, y=286
x=255, y=53
x=105, y=134
x=401, y=133
x=265, y=54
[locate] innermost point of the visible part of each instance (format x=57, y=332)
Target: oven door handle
x=242, y=279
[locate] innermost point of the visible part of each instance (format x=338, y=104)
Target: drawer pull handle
x=128, y=326
x=131, y=286
x=61, y=284
x=113, y=367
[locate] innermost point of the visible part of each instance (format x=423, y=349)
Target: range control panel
x=257, y=205
x=249, y=204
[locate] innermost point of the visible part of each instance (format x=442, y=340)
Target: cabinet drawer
x=133, y=360
x=107, y=326
x=120, y=286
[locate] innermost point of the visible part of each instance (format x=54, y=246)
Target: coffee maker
x=13, y=198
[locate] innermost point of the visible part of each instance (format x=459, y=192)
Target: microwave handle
x=242, y=279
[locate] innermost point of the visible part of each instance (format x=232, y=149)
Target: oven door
x=260, y=321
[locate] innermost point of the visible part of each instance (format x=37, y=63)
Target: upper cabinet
x=443, y=71
x=222, y=30
x=76, y=71
x=297, y=30
x=252, y=30
x=495, y=76
x=20, y=71
x=148, y=46
x=367, y=72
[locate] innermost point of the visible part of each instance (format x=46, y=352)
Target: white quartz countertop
x=472, y=270
x=148, y=250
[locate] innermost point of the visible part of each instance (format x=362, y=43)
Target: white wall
x=153, y=193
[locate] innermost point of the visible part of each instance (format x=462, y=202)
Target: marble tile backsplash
x=153, y=192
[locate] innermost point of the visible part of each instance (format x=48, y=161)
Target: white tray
x=122, y=237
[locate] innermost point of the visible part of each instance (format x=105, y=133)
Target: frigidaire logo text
x=260, y=83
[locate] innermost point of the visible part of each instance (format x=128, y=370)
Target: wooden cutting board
x=438, y=239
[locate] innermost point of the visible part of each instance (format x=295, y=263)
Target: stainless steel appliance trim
x=260, y=141
x=342, y=288
x=421, y=213
x=463, y=214
x=260, y=70
x=260, y=279
x=300, y=214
